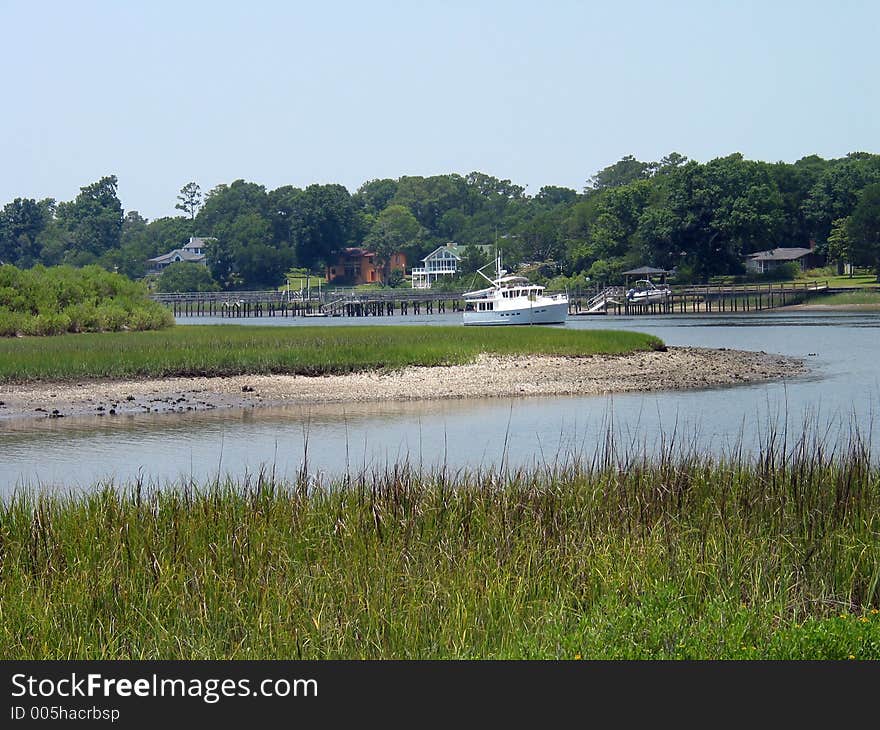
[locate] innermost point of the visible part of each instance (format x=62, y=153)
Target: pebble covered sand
x=679, y=368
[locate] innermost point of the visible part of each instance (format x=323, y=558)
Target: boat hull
x=555, y=313
x=660, y=296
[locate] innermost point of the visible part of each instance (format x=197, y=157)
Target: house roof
x=180, y=253
x=196, y=242
x=645, y=271
x=780, y=254
x=455, y=249
x=356, y=251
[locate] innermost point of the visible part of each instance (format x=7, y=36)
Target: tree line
x=699, y=218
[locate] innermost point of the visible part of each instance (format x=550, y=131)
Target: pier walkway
x=690, y=299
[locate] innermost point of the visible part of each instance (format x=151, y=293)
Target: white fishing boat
x=644, y=292
x=513, y=300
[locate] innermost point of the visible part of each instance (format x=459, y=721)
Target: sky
x=542, y=93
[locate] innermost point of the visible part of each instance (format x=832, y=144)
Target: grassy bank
x=837, y=281
x=853, y=298
x=49, y=301
x=236, y=350
x=675, y=558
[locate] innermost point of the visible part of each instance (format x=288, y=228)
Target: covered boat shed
x=646, y=272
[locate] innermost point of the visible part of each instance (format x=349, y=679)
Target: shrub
x=111, y=317
x=11, y=323
x=49, y=323
x=83, y=317
x=47, y=301
x=150, y=318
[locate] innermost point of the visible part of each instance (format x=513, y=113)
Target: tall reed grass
x=619, y=555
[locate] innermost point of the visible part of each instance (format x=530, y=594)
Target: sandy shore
x=490, y=376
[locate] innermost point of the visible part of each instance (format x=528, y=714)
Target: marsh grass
x=619, y=555
x=237, y=350
x=855, y=297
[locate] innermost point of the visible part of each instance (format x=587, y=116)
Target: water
x=843, y=387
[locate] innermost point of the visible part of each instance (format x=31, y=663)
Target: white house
x=192, y=252
x=443, y=261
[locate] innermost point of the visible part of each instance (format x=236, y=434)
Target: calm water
x=842, y=350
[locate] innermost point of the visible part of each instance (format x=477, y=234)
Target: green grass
x=233, y=350
x=811, y=276
x=836, y=281
x=619, y=558
x=848, y=298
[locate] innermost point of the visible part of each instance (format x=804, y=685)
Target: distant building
x=443, y=261
x=763, y=261
x=192, y=252
x=359, y=266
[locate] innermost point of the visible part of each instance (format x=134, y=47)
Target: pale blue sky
x=543, y=93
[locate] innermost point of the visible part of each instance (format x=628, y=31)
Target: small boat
x=645, y=292
x=513, y=300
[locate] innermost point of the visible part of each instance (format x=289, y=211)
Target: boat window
x=490, y=306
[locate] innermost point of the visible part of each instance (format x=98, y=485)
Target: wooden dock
x=333, y=303
x=699, y=299
x=354, y=303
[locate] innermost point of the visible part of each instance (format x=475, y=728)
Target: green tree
x=863, y=229
x=224, y=203
x=794, y=183
x=839, y=244
x=552, y=196
x=429, y=198
x=671, y=162
x=21, y=224
x=836, y=193
x=542, y=238
x=324, y=221
x=375, y=195
x=474, y=258
x=167, y=233
x=623, y=172
x=395, y=229
x=723, y=209
x=134, y=247
x=93, y=221
x=253, y=233
x=245, y=255
x=189, y=201
x=185, y=277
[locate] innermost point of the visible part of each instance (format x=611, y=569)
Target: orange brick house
x=359, y=266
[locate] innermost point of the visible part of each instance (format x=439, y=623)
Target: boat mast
x=493, y=282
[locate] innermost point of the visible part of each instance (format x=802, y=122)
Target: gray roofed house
x=197, y=245
x=764, y=261
x=191, y=252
